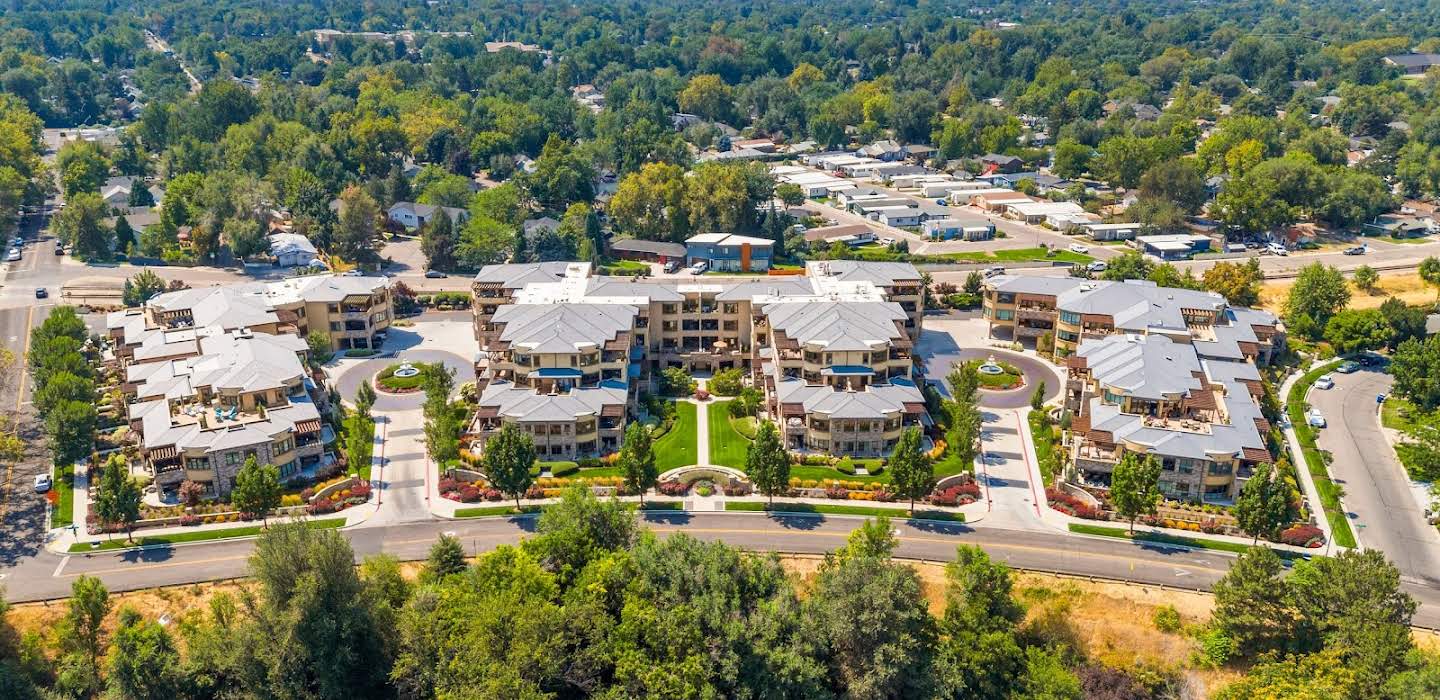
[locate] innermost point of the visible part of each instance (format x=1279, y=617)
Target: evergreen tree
x=1264, y=504
x=911, y=471
x=447, y=557
x=438, y=243
x=766, y=463
x=637, y=460
x=124, y=235
x=118, y=500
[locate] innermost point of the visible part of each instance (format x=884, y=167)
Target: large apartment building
x=1151, y=394
x=1072, y=310
x=563, y=350
x=354, y=312
x=199, y=413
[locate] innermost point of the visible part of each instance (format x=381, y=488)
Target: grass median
x=63, y=513
x=1315, y=459
x=677, y=447
x=197, y=536
x=1177, y=540
x=818, y=509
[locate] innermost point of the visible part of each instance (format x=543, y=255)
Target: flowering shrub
x=493, y=494
x=956, y=495
x=837, y=492
x=361, y=491
x=702, y=395
x=447, y=485
x=189, y=520
x=1070, y=505
x=883, y=496
x=1211, y=526
x=938, y=450
x=673, y=488
x=307, y=493
x=737, y=490
x=535, y=492
x=1303, y=536
x=469, y=494
x=321, y=508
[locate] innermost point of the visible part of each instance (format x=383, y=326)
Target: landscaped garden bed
x=399, y=378
x=1007, y=377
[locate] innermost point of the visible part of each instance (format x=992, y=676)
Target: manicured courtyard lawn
x=484, y=511
x=727, y=447
x=198, y=536
x=387, y=379
x=843, y=510
x=1010, y=378
x=677, y=447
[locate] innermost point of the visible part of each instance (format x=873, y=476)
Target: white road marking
x=60, y=567
x=1181, y=572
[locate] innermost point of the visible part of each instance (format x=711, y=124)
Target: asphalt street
x=1379, y=498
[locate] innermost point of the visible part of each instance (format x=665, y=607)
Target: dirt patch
x=1407, y=286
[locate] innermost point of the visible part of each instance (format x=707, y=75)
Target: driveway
x=945, y=343
x=1379, y=496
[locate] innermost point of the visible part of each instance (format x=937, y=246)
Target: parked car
x=19, y=241
x=1380, y=398
x=1357, y=250
x=1097, y=266
x=42, y=483
x=994, y=271
x=1347, y=367
x=699, y=268
x=1277, y=249
x=1077, y=248
x=13, y=255
x=434, y=274
x=672, y=267
x=40, y=293
x=59, y=248
x=942, y=202
x=887, y=240
x=1325, y=382
x=1315, y=418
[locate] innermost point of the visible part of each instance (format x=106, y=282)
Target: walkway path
x=401, y=468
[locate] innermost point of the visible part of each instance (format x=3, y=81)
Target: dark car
x=40, y=293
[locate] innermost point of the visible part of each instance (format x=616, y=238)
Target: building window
x=1070, y=317
x=334, y=325
x=334, y=308
x=1067, y=336
x=1004, y=315
x=232, y=458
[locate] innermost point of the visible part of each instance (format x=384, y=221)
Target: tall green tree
x=257, y=489
x=446, y=558
x=81, y=224
x=357, y=232
x=1430, y=273
x=509, y=456
x=1263, y=505
x=1135, y=486
x=637, y=460
x=1319, y=292
x=766, y=463
x=579, y=530
x=1251, y=605
x=118, y=499
x=438, y=243
x=143, y=661
x=911, y=471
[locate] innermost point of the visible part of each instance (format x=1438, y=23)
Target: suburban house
x=565, y=351
x=1179, y=246
x=1402, y=225
x=1413, y=63
x=291, y=249
x=1110, y=232
x=999, y=163
x=730, y=252
x=886, y=150
x=413, y=216
x=849, y=234
x=946, y=229
x=648, y=251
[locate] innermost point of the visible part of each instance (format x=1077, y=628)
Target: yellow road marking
x=146, y=567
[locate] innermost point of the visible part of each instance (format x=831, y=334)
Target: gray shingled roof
x=1150, y=367
x=838, y=325
x=517, y=275
x=563, y=328
x=874, y=401
x=882, y=274
x=525, y=405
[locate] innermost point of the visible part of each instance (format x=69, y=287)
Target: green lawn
x=1044, y=440
x=843, y=510
x=1009, y=379
x=197, y=536
x=64, y=487
x=387, y=379
x=727, y=447
x=677, y=447
x=1397, y=414
x=1162, y=538
x=492, y=511
x=1315, y=461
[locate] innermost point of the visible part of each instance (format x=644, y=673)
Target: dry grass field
x=1407, y=286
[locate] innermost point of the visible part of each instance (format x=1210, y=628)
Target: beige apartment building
x=561, y=349
x=354, y=312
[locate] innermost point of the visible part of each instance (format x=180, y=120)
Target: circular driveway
x=350, y=374
x=1034, y=371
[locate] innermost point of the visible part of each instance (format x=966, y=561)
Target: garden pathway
x=1008, y=471
x=702, y=432
x=401, y=470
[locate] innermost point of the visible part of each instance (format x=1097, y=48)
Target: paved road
x=1378, y=494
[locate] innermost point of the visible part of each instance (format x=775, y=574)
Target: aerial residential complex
x=563, y=350
x=215, y=375
x=1155, y=370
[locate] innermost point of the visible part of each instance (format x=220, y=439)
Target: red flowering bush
x=307, y=493
x=361, y=491
x=956, y=495
x=1211, y=526
x=883, y=496
x=493, y=494
x=189, y=520
x=673, y=488
x=535, y=492
x=837, y=492
x=469, y=494
x=447, y=485
x=1303, y=536
x=1070, y=505
x=322, y=507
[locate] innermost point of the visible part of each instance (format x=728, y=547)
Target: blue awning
x=848, y=370
x=634, y=369
x=558, y=373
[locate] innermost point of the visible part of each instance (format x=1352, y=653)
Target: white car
x=994, y=271
x=1077, y=248
x=42, y=483
x=1097, y=266
x=1325, y=382
x=13, y=255
x=1277, y=249
x=699, y=268
x=1315, y=418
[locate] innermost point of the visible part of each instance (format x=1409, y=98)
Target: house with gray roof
x=413, y=215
